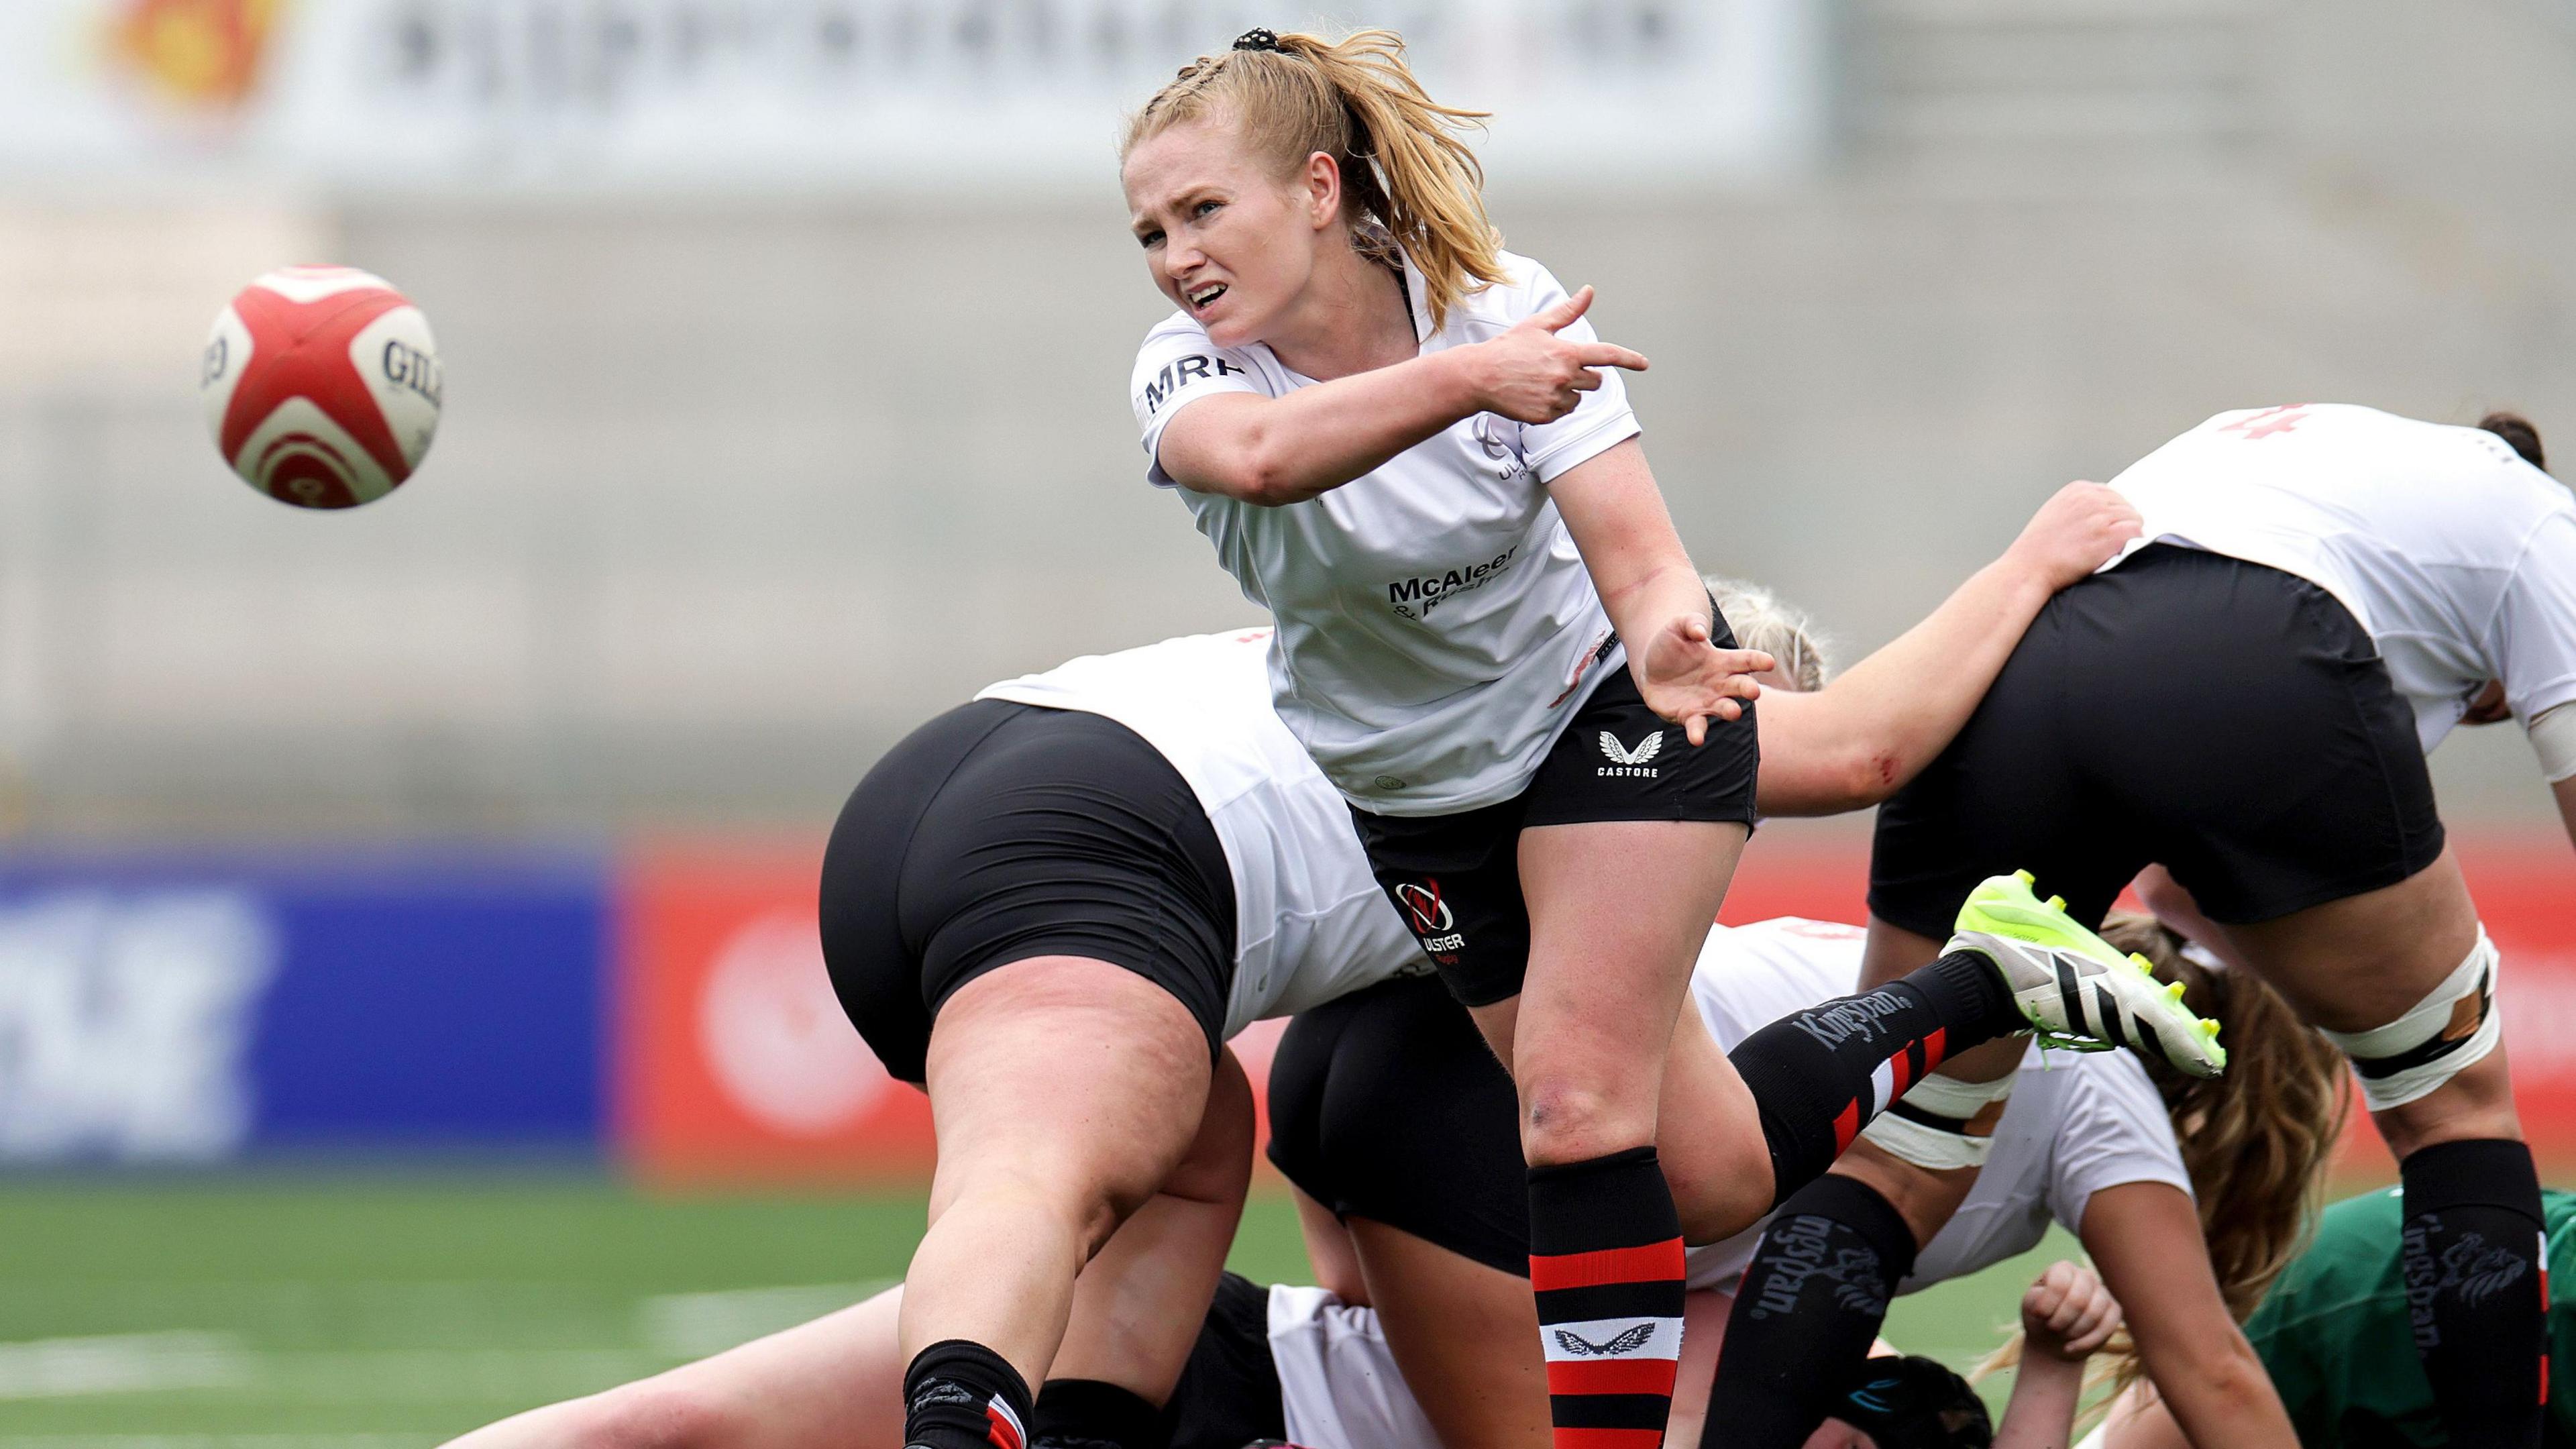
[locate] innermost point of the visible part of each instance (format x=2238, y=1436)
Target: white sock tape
x=2450, y=1030
x=1962, y=1132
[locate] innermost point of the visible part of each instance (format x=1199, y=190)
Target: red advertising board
x=735, y=1063
x=734, y=1060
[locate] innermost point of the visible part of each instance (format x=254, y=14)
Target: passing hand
x=1532, y=375
x=2068, y=1314
x=2080, y=529
x=1687, y=680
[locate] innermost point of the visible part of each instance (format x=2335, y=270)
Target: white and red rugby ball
x=321, y=386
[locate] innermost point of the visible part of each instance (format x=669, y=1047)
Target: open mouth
x=1202, y=298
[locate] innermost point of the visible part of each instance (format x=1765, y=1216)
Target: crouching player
x=2322, y=593
x=1052, y=905
x=2338, y=1330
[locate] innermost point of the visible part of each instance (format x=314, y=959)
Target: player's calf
x=2473, y=1251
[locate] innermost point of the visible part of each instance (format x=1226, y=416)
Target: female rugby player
x=2189, y=1193
x=2320, y=593
x=1409, y=446
x=1035, y=836
x=2338, y=1337
x=1388, y=1105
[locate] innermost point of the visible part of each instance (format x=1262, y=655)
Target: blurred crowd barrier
x=663, y=1008
x=453, y=97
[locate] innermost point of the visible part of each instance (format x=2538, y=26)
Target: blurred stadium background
x=408, y=1004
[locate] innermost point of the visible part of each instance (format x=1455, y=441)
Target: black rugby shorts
x=1456, y=879
x=1000, y=832
x=2226, y=720
x=1386, y=1104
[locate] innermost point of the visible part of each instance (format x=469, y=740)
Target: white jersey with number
x=2077, y=1122
x=1436, y=626
x=1310, y=921
x=2456, y=555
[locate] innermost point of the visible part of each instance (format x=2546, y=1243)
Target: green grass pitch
x=386, y=1312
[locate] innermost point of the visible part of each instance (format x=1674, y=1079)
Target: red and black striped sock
x=1606, y=1264
x=961, y=1395
x=1820, y=1074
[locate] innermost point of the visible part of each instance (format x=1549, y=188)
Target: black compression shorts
x=1000, y=832
x=1386, y=1104
x=1456, y=879
x=2229, y=721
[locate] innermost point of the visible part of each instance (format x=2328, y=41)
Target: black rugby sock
x=1606, y=1264
x=1820, y=1074
x=2477, y=1288
x=1092, y=1414
x=1810, y=1306
x=962, y=1395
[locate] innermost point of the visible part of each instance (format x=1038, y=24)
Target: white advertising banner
x=625, y=96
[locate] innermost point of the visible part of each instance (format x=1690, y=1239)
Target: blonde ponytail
x=1408, y=181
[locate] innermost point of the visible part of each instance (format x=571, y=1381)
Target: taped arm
x=2553, y=738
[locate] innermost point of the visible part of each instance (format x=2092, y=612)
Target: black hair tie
x=1257, y=40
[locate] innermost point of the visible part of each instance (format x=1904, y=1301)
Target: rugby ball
x=321, y=386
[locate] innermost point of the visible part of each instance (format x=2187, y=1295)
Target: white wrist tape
x=2449, y=1031
x=2553, y=736
x=1942, y=1122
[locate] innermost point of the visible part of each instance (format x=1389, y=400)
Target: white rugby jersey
x=2077, y=1122
x=2456, y=555
x=1310, y=921
x=1339, y=1387
x=1436, y=626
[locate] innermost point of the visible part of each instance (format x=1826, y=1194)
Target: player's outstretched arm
x=2145, y=1239
x=1277, y=451
x=1851, y=744
x=2065, y=1316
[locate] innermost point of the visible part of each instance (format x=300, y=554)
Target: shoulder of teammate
x=1177, y=363
x=2112, y=1129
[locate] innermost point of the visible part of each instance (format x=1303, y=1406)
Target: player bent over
x=1392, y=1121
x=2245, y=700
x=1008, y=841
x=2337, y=1333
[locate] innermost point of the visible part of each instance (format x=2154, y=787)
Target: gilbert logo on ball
x=321, y=386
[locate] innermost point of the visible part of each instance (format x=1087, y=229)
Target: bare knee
x=1569, y=1119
